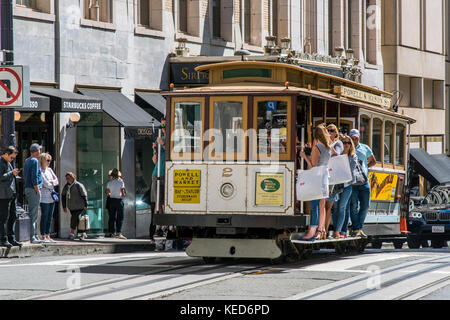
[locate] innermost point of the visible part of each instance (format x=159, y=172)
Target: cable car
x=231, y=168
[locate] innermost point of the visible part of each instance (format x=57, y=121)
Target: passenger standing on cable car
x=320, y=156
x=361, y=194
x=336, y=149
x=341, y=214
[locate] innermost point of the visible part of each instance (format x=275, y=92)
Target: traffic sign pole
x=7, y=46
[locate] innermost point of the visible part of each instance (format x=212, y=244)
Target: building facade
x=123, y=49
x=415, y=34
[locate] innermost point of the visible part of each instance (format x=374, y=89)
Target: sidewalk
x=78, y=247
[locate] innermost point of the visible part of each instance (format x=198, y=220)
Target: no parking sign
x=11, y=86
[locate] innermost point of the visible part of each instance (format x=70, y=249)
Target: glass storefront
x=97, y=153
x=144, y=169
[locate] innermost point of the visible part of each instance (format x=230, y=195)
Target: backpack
x=360, y=175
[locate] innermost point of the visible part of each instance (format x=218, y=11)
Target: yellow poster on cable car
x=269, y=189
x=383, y=186
x=186, y=185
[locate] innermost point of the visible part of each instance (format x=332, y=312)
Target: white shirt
x=115, y=186
x=49, y=182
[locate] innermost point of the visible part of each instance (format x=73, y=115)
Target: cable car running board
x=234, y=248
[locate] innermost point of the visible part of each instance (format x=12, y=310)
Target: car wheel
x=413, y=242
x=437, y=244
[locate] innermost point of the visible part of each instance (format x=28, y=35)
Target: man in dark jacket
x=8, y=194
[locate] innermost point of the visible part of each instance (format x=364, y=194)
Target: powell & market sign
x=362, y=96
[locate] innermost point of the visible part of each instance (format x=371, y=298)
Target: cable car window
x=376, y=138
x=400, y=145
x=186, y=128
x=229, y=125
x=388, y=142
x=364, y=129
x=272, y=127
x=248, y=72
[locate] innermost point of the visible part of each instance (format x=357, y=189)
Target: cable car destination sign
x=362, y=96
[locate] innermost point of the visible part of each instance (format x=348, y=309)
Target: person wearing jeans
x=33, y=184
x=50, y=181
x=342, y=210
x=115, y=190
x=361, y=194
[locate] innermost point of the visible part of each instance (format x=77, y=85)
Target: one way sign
x=11, y=86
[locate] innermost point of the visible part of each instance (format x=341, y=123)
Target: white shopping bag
x=312, y=184
x=339, y=169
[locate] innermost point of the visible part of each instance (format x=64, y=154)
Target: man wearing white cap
x=361, y=193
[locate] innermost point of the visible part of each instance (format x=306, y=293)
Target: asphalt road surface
x=384, y=274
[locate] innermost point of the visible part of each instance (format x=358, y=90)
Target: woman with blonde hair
x=336, y=149
x=320, y=156
x=49, y=182
x=341, y=215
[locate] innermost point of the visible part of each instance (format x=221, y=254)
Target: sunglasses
x=49, y=160
x=163, y=125
x=331, y=131
x=346, y=142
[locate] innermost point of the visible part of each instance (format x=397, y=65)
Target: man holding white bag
x=361, y=193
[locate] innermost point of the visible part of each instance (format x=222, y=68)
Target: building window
x=364, y=129
x=182, y=15
x=275, y=18
x=388, y=142
x=247, y=22
x=377, y=138
x=371, y=31
x=434, y=144
x=252, y=22
x=37, y=5
x=400, y=145
x=98, y=10
x=150, y=13
x=217, y=22
x=348, y=26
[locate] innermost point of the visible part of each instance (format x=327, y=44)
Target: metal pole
x=302, y=163
x=7, y=46
x=158, y=183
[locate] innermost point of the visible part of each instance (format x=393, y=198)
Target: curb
x=61, y=249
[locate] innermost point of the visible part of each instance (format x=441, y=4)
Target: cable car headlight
x=227, y=190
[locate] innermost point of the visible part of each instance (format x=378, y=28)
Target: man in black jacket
x=8, y=193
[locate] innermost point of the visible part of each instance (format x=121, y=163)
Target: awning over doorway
x=434, y=168
x=129, y=115
x=153, y=103
x=38, y=103
x=66, y=101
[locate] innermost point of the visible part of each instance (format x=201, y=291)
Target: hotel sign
x=362, y=96
x=185, y=74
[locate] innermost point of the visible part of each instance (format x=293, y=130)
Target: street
x=377, y=274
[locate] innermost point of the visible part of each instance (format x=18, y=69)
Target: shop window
x=144, y=169
x=98, y=10
x=388, y=142
x=187, y=130
x=36, y=5
x=229, y=118
x=150, y=13
x=377, y=138
x=400, y=145
x=272, y=118
x=364, y=129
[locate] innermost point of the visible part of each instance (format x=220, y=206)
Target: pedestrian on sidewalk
x=8, y=195
x=115, y=190
x=33, y=184
x=74, y=197
x=49, y=182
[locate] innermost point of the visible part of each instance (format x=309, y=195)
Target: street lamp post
x=7, y=48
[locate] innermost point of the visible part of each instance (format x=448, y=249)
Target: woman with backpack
x=74, y=198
